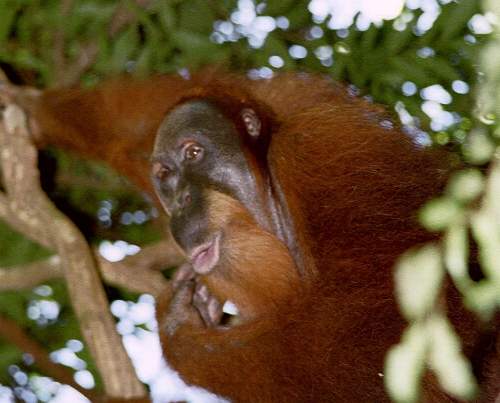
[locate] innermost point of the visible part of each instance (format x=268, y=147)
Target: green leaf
x=395, y=41
x=7, y=13
x=478, y=148
x=404, y=365
x=167, y=16
x=368, y=41
x=278, y=7
x=124, y=48
x=439, y=213
x=486, y=232
x=196, y=49
x=196, y=16
x=273, y=46
x=483, y=298
x=447, y=361
x=439, y=68
x=9, y=354
x=297, y=15
x=411, y=70
x=493, y=193
x=456, y=255
x=460, y=13
x=466, y=185
x=418, y=277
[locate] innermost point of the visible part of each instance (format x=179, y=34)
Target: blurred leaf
x=273, y=46
x=466, y=185
x=439, y=213
x=369, y=40
x=9, y=354
x=395, y=41
x=405, y=364
x=459, y=13
x=418, y=277
x=483, y=298
x=196, y=16
x=13, y=304
x=456, y=255
x=297, y=17
x=16, y=249
x=196, y=49
x=446, y=359
x=278, y=7
x=438, y=67
x=167, y=16
x=7, y=13
x=411, y=70
x=492, y=196
x=124, y=48
x=145, y=60
x=486, y=232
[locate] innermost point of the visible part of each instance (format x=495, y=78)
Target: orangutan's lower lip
x=205, y=257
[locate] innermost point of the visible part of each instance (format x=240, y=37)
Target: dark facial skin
x=198, y=148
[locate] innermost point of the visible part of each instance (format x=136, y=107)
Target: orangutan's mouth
x=206, y=256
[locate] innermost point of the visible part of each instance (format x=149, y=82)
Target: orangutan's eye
x=193, y=152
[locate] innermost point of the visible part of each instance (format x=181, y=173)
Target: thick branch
x=39, y=215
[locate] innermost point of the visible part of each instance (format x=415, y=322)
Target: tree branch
x=30, y=275
x=138, y=273
x=36, y=214
x=11, y=332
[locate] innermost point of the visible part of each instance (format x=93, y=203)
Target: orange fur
x=352, y=187
x=255, y=270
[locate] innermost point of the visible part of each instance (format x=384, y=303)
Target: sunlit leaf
x=486, y=232
x=493, y=193
x=405, y=364
x=439, y=213
x=418, y=278
x=479, y=148
x=483, y=298
x=456, y=254
x=446, y=359
x=466, y=185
